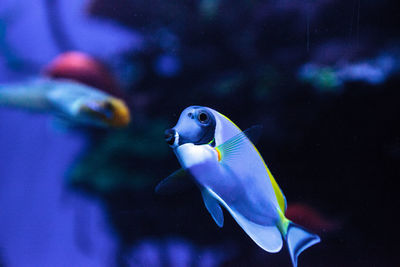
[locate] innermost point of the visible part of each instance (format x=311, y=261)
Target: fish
x=69, y=101
x=226, y=166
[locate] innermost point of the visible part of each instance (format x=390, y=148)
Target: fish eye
x=203, y=117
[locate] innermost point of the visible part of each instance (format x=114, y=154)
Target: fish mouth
x=171, y=137
x=111, y=112
x=121, y=116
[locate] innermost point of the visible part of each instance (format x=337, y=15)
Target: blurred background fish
x=76, y=103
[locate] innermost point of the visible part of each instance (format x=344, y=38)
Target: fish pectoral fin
x=213, y=207
x=178, y=181
x=232, y=147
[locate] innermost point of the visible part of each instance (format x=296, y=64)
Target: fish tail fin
x=298, y=239
x=21, y=95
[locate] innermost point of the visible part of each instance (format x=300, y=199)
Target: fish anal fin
x=268, y=237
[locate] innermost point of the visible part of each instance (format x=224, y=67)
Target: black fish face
x=195, y=125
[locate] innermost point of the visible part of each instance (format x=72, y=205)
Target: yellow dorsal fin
x=278, y=192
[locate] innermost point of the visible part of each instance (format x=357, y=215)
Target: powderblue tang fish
x=230, y=172
x=73, y=102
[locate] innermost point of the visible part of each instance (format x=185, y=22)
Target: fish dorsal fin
x=231, y=148
x=176, y=182
x=278, y=192
x=213, y=207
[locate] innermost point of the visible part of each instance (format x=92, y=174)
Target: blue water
x=320, y=76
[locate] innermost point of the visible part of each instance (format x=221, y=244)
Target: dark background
x=322, y=77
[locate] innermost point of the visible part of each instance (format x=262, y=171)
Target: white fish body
x=230, y=172
x=241, y=184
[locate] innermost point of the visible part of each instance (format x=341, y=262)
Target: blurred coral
x=310, y=218
x=83, y=68
x=373, y=71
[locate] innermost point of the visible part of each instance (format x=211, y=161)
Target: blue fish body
x=231, y=173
